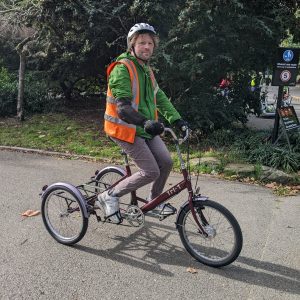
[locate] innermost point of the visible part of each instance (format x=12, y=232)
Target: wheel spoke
x=223, y=239
x=63, y=216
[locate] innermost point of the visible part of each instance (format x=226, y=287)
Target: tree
x=216, y=38
x=81, y=38
x=13, y=24
x=201, y=42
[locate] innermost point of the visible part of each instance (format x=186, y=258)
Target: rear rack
x=91, y=189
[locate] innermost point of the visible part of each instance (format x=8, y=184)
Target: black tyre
x=63, y=215
x=224, y=241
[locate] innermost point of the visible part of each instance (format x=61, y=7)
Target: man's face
x=144, y=46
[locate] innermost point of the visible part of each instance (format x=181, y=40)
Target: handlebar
x=178, y=140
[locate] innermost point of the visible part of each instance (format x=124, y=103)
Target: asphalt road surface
x=122, y=262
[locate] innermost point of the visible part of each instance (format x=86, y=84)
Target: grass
x=78, y=135
x=57, y=132
x=82, y=134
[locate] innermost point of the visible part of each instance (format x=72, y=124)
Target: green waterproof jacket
x=120, y=85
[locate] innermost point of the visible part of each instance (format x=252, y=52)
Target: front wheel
x=223, y=241
x=63, y=215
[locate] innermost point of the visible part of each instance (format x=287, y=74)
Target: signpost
x=284, y=74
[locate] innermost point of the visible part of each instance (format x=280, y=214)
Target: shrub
x=254, y=149
x=8, y=92
x=38, y=96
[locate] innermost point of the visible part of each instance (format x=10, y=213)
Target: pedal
x=107, y=220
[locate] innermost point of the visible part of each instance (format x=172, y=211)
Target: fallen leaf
x=296, y=187
x=35, y=213
x=27, y=212
x=271, y=185
x=192, y=270
x=293, y=192
x=30, y=213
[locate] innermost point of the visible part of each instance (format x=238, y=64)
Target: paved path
x=268, y=123
x=121, y=262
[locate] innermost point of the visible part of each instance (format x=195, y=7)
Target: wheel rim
x=108, y=179
x=63, y=215
x=221, y=240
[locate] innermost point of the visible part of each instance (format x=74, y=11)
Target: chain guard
x=134, y=216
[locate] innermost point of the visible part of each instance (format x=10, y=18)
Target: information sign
x=289, y=117
x=286, y=67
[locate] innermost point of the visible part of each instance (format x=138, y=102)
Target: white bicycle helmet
x=139, y=27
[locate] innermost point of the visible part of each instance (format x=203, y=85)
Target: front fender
x=196, y=198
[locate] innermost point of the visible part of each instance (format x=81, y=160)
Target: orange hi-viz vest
x=113, y=125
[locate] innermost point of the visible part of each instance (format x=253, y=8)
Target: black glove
x=153, y=127
x=181, y=125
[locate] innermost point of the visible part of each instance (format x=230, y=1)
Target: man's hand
x=182, y=125
x=153, y=127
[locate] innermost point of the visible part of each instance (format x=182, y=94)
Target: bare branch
x=20, y=46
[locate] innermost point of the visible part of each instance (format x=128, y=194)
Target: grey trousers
x=154, y=162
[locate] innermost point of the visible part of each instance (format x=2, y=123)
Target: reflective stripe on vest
x=156, y=88
x=113, y=125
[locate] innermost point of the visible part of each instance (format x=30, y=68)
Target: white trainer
x=111, y=207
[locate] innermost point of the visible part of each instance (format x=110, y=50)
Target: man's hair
x=135, y=36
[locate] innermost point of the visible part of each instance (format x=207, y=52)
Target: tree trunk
x=20, y=103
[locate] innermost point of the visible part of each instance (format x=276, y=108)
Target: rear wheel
x=223, y=241
x=63, y=215
x=107, y=177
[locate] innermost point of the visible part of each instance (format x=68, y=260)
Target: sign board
x=289, y=118
x=286, y=67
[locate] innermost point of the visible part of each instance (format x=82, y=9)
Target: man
x=131, y=120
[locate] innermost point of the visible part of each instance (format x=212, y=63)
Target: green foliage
x=80, y=38
x=285, y=159
x=58, y=132
x=38, y=96
x=201, y=42
x=253, y=147
x=219, y=139
x=8, y=92
x=257, y=171
x=212, y=39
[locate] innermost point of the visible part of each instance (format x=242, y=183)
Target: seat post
x=125, y=157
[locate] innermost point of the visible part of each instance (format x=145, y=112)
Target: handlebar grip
x=180, y=140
